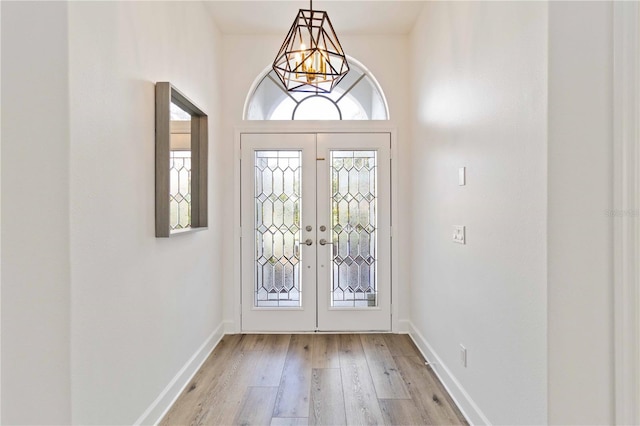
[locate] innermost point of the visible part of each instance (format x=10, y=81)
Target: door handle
x=307, y=242
x=324, y=242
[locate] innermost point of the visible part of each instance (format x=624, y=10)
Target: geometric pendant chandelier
x=311, y=58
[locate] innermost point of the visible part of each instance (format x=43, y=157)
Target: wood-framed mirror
x=181, y=163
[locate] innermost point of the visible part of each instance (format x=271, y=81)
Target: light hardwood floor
x=314, y=379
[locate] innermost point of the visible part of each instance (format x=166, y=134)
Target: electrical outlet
x=459, y=234
x=463, y=356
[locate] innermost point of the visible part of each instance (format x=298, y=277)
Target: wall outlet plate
x=459, y=234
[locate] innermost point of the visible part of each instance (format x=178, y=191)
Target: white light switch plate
x=458, y=234
x=462, y=176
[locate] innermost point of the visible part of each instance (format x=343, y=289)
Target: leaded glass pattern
x=353, y=226
x=180, y=190
x=277, y=232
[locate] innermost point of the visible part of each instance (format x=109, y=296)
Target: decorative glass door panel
x=315, y=232
x=353, y=228
x=277, y=228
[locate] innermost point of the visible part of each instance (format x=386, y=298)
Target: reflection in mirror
x=180, y=169
x=181, y=163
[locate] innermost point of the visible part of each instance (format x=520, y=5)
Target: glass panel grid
x=354, y=199
x=180, y=189
x=278, y=205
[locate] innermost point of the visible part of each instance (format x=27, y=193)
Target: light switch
x=463, y=356
x=462, y=176
x=458, y=234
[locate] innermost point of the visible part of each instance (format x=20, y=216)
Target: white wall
x=247, y=56
x=0, y=220
x=35, y=213
x=140, y=306
x=479, y=101
x=99, y=316
x=579, y=231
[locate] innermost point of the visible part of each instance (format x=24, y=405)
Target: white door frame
x=311, y=127
x=626, y=210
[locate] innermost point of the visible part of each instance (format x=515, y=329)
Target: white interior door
x=315, y=221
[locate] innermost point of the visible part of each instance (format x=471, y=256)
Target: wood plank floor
x=314, y=379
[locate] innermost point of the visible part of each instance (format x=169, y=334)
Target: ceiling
x=347, y=17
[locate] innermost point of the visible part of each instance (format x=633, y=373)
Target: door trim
x=626, y=210
x=234, y=324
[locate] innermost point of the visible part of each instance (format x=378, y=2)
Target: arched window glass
x=357, y=97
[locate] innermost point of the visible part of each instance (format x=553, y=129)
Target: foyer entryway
x=316, y=249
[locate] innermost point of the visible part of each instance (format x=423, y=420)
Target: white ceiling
x=347, y=17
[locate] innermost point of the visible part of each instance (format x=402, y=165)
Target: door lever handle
x=308, y=241
x=324, y=242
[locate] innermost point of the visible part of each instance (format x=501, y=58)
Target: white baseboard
x=467, y=406
x=172, y=391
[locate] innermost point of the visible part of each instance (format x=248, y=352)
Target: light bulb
x=303, y=59
x=297, y=64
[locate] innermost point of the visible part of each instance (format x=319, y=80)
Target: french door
x=316, y=244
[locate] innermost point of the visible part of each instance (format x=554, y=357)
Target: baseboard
x=172, y=391
x=467, y=406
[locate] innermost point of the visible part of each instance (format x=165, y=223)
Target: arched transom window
x=357, y=97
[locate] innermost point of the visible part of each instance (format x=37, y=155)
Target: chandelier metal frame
x=317, y=68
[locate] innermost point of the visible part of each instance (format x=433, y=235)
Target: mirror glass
x=181, y=163
x=179, y=168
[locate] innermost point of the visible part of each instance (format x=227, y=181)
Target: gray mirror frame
x=165, y=94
